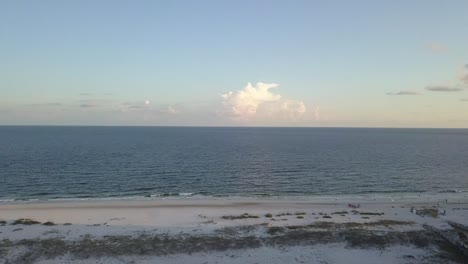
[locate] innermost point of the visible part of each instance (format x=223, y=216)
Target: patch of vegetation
x=300, y=217
x=3, y=222
x=324, y=225
x=48, y=223
x=25, y=221
x=370, y=213
x=282, y=219
x=236, y=230
x=289, y=214
x=294, y=227
x=432, y=212
x=67, y=224
x=450, y=253
x=269, y=215
x=340, y=213
x=389, y=223
x=51, y=232
x=283, y=214
x=235, y=238
x=461, y=236
x=242, y=216
x=359, y=239
x=275, y=230
x=326, y=216
x=349, y=225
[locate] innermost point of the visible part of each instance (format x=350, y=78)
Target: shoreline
x=183, y=212
x=453, y=196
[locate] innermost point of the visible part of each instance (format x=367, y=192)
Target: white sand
x=195, y=213
x=134, y=217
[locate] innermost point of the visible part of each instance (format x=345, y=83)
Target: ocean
x=47, y=163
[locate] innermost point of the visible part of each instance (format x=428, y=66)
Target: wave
x=171, y=194
x=372, y=195
x=453, y=191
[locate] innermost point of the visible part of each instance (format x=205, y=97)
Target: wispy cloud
x=443, y=89
x=459, y=84
x=92, y=103
x=405, y=93
x=52, y=104
x=317, y=113
x=88, y=105
x=171, y=110
x=146, y=106
x=464, y=99
x=464, y=79
x=258, y=100
x=464, y=75
x=164, y=111
x=437, y=47
x=96, y=94
x=130, y=106
x=136, y=107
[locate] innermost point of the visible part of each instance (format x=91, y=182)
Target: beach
x=233, y=132
x=240, y=230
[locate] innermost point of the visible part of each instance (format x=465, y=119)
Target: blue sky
x=309, y=63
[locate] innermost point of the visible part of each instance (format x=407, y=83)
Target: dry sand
x=313, y=230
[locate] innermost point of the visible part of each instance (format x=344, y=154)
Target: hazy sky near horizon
x=243, y=63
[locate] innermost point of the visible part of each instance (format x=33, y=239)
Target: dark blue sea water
x=78, y=162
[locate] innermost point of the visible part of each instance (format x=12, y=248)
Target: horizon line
x=227, y=126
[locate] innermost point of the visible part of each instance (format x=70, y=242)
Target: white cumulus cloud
x=292, y=108
x=259, y=101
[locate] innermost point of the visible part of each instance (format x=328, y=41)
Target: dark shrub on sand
x=25, y=221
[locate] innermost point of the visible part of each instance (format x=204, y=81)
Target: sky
x=234, y=63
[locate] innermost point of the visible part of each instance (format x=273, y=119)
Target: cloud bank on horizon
x=260, y=102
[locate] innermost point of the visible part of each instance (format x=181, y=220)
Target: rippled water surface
x=73, y=162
